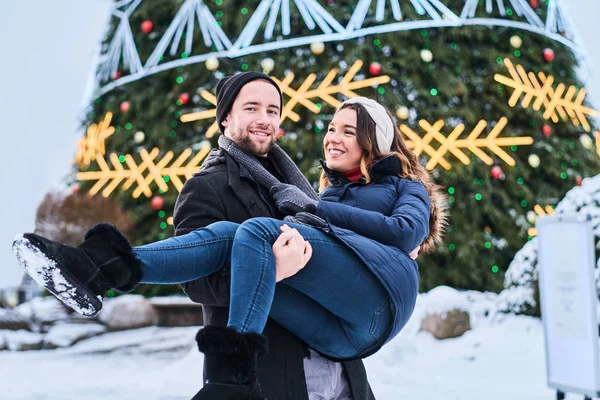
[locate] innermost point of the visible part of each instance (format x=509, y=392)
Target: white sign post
x=568, y=303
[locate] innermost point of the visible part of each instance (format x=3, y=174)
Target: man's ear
x=225, y=122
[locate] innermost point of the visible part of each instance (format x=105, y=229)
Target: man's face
x=253, y=121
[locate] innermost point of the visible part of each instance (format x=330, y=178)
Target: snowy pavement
x=501, y=358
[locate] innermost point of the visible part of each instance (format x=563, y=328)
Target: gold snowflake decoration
x=597, y=137
x=303, y=95
x=212, y=113
x=93, y=142
x=149, y=170
x=568, y=103
x=540, y=212
x=324, y=91
x=454, y=145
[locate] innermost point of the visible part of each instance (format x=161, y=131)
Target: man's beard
x=245, y=142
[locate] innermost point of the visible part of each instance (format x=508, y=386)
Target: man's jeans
x=325, y=379
x=335, y=304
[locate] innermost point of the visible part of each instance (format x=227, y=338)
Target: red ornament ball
x=125, y=106
x=375, y=68
x=280, y=133
x=147, y=26
x=548, y=55
x=116, y=75
x=184, y=98
x=496, y=172
x=157, y=203
x=534, y=3
x=546, y=130
x=578, y=180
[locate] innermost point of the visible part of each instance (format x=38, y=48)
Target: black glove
x=290, y=200
x=308, y=219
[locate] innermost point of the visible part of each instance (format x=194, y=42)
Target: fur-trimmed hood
x=438, y=219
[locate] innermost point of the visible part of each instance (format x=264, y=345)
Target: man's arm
x=199, y=205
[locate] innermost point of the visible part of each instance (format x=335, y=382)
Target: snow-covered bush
x=521, y=294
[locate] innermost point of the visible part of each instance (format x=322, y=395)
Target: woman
x=356, y=284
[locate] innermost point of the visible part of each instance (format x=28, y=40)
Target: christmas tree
x=486, y=93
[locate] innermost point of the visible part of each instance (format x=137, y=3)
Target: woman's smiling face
x=342, y=152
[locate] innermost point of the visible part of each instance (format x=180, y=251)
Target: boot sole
x=46, y=272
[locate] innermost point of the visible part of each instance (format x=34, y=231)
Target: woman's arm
x=405, y=229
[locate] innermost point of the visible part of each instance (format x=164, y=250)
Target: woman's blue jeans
x=335, y=304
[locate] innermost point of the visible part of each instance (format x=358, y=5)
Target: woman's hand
x=414, y=254
x=291, y=253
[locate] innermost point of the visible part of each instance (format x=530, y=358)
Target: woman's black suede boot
x=79, y=276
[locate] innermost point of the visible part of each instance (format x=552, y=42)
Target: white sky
x=47, y=50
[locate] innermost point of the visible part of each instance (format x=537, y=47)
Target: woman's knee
x=225, y=228
x=259, y=227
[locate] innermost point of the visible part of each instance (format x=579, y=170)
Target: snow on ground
x=148, y=363
x=501, y=358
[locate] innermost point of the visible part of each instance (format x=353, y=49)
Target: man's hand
x=291, y=253
x=413, y=254
x=290, y=200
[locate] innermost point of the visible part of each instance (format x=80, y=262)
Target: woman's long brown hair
x=411, y=169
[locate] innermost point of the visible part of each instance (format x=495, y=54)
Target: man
x=248, y=113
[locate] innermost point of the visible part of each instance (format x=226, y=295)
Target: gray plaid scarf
x=284, y=163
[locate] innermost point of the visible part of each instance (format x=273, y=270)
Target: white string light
x=121, y=45
x=418, y=7
x=438, y=15
x=189, y=12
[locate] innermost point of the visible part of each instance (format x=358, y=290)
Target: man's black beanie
x=229, y=87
